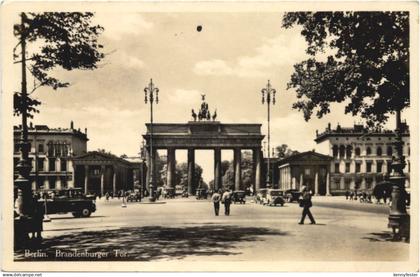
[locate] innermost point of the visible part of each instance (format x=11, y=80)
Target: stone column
x=72, y=171
x=191, y=171
x=316, y=183
x=57, y=182
x=102, y=179
x=148, y=170
x=170, y=168
x=257, y=157
x=293, y=183
x=114, y=181
x=57, y=165
x=301, y=181
x=328, y=192
x=46, y=183
x=217, y=169
x=46, y=169
x=238, y=172
x=86, y=178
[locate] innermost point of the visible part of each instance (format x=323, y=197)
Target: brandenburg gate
x=206, y=135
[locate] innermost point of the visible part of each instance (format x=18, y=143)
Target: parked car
x=201, y=194
x=274, y=197
x=261, y=194
x=134, y=197
x=292, y=195
x=238, y=196
x=67, y=201
x=169, y=193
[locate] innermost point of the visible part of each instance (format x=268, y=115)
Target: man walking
x=215, y=198
x=306, y=203
x=226, y=199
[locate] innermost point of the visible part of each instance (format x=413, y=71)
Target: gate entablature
x=205, y=135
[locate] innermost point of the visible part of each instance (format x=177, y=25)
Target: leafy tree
x=67, y=40
x=368, y=63
x=283, y=151
x=181, y=174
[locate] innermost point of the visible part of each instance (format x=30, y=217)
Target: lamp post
x=151, y=93
x=143, y=159
x=268, y=96
x=398, y=218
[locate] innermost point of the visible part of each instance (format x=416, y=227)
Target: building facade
x=100, y=173
x=361, y=158
x=308, y=169
x=51, y=154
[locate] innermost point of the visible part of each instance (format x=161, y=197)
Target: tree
x=368, y=64
x=66, y=40
x=283, y=151
x=181, y=174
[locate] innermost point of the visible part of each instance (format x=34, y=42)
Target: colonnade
x=171, y=161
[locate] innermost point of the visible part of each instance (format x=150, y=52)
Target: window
x=337, y=168
x=388, y=166
x=347, y=167
x=349, y=151
x=51, y=164
x=63, y=165
x=335, y=151
x=379, y=166
x=368, y=151
x=40, y=164
x=369, y=182
x=379, y=151
x=389, y=151
x=357, y=151
x=358, y=166
x=368, y=166
x=342, y=151
x=41, y=148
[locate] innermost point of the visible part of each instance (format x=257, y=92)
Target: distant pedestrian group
x=225, y=198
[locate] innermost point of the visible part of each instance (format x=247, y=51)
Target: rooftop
x=358, y=130
x=44, y=129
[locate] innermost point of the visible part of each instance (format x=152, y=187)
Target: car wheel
x=85, y=212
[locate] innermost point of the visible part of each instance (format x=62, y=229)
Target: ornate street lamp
x=268, y=96
x=151, y=93
x=398, y=218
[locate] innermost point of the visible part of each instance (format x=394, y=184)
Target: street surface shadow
x=150, y=243
x=75, y=218
x=380, y=237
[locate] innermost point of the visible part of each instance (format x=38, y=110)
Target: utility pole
x=268, y=96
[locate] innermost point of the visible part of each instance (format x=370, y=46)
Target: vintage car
x=274, y=197
x=238, y=196
x=201, y=194
x=134, y=197
x=292, y=195
x=169, y=193
x=261, y=194
x=67, y=201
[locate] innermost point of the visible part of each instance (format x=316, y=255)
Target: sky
x=230, y=61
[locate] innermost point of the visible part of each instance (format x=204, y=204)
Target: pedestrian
x=226, y=199
x=215, y=198
x=306, y=204
x=351, y=195
x=347, y=194
x=107, y=196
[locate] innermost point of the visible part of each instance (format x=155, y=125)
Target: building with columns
x=51, y=154
x=308, y=169
x=211, y=135
x=361, y=157
x=100, y=172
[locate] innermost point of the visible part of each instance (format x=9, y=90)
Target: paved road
x=187, y=229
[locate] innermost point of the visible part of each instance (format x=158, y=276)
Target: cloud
x=130, y=61
x=275, y=52
x=184, y=96
x=126, y=24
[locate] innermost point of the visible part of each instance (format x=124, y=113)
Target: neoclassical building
x=361, y=158
x=51, y=154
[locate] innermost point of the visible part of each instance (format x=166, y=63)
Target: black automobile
x=292, y=195
x=134, y=197
x=238, y=196
x=67, y=201
x=201, y=194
